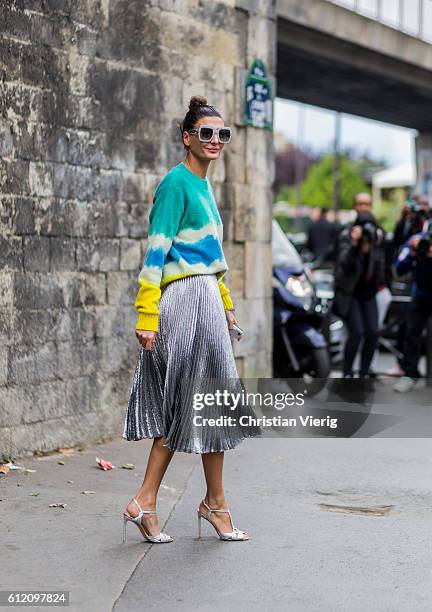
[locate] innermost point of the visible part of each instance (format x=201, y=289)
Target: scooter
x=300, y=350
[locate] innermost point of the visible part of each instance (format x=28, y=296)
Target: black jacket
x=350, y=265
x=421, y=268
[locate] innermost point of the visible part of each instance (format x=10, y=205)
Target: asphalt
x=302, y=556
x=78, y=548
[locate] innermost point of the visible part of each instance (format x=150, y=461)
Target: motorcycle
x=300, y=350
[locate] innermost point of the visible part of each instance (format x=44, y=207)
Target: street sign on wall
x=258, y=97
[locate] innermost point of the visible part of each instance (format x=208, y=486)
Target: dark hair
x=198, y=108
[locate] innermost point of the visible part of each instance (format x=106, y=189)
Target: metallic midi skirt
x=192, y=356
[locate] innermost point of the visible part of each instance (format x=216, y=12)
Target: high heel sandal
x=161, y=538
x=234, y=535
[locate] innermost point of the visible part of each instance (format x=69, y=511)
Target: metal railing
x=414, y=17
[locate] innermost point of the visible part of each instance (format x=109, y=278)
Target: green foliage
x=317, y=189
x=287, y=194
x=387, y=214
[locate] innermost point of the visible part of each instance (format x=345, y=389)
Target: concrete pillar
x=424, y=164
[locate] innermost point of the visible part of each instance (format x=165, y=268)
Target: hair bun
x=197, y=101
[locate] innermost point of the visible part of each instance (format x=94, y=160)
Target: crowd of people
x=365, y=264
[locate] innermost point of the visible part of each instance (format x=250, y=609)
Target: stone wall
x=91, y=95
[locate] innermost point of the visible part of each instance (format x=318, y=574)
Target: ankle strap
x=215, y=509
x=141, y=510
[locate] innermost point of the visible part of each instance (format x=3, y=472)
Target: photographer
x=359, y=274
x=415, y=257
x=413, y=215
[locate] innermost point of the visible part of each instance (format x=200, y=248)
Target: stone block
x=235, y=164
x=84, y=112
x=98, y=255
x=111, y=185
x=3, y=367
x=7, y=327
x=87, y=148
x=130, y=254
x=41, y=179
x=79, y=65
x=34, y=290
x=121, y=219
x=12, y=408
x=122, y=287
x=73, y=182
x=68, y=360
x=79, y=395
x=63, y=257
x=87, y=41
x=257, y=154
x=255, y=317
x=45, y=401
x=237, y=285
x=24, y=216
x=6, y=140
x=34, y=327
x=83, y=289
x=28, y=365
x=6, y=443
x=258, y=270
x=234, y=254
x=36, y=253
x=138, y=220
x=227, y=217
x=123, y=155
x=244, y=213
x=11, y=253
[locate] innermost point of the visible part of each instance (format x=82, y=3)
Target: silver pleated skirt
x=192, y=356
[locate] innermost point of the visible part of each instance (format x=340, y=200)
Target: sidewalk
x=79, y=548
x=301, y=556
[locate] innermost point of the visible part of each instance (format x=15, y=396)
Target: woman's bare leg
x=215, y=495
x=157, y=464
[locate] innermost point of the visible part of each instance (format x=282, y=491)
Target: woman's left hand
x=231, y=320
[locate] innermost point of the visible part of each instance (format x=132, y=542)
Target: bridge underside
x=320, y=69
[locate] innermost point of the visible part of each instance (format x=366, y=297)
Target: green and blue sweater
x=185, y=238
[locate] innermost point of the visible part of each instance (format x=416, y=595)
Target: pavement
x=338, y=524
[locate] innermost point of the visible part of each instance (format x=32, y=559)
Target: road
x=302, y=556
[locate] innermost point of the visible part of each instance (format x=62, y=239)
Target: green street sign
x=258, y=97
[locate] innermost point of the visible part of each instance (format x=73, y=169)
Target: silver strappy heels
x=232, y=536
x=161, y=538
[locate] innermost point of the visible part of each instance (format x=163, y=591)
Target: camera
x=368, y=226
x=369, y=233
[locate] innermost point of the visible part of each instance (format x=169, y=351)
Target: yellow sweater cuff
x=148, y=322
x=227, y=302
x=225, y=295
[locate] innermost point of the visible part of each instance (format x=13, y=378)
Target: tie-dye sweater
x=185, y=238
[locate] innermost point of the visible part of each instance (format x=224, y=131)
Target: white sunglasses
x=206, y=133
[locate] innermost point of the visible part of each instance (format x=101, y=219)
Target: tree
x=317, y=189
x=291, y=165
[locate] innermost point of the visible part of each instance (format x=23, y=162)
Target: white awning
x=403, y=175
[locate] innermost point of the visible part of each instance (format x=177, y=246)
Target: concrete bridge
x=336, y=58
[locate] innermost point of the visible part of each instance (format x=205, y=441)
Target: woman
x=184, y=316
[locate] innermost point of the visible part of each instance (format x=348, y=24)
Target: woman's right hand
x=146, y=338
